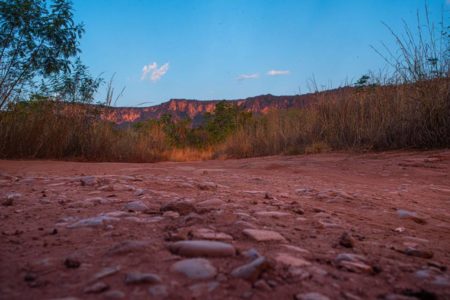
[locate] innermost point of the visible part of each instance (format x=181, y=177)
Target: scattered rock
x=353, y=263
x=299, y=273
x=30, y=276
x=186, y=185
x=72, y=263
x=332, y=195
x=137, y=205
x=144, y=220
x=182, y=207
x=288, y=260
x=128, y=246
x=247, y=295
x=208, y=234
x=158, y=291
x=136, y=278
x=123, y=187
x=437, y=265
x=209, y=205
x=262, y=285
x=298, y=210
x=406, y=214
x=311, y=296
x=272, y=214
x=411, y=251
x=346, y=240
x=207, y=186
x=191, y=219
x=195, y=268
x=443, y=281
x=9, y=199
x=326, y=224
x=415, y=239
x=96, y=200
x=139, y=192
x=251, y=253
x=171, y=214
x=350, y=257
x=114, y=294
x=96, y=288
x=423, y=274
x=106, y=188
x=203, y=288
x=118, y=187
x=400, y=229
x=296, y=249
x=398, y=297
x=88, y=181
x=252, y=270
x=105, y=272
x=356, y=267
x=116, y=214
x=304, y=191
x=410, y=294
x=92, y=222
x=263, y=235
x=202, y=248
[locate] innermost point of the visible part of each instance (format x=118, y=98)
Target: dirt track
x=346, y=226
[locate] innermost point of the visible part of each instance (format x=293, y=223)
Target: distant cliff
x=194, y=109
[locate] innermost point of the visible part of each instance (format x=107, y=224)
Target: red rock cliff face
x=194, y=109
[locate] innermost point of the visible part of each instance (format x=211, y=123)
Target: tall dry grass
x=53, y=130
x=368, y=118
x=365, y=118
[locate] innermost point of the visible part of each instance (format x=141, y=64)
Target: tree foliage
x=39, y=40
x=215, y=128
x=225, y=119
x=75, y=86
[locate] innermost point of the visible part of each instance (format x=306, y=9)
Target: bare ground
x=81, y=229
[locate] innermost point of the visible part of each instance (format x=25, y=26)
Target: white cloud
x=248, y=76
x=277, y=72
x=156, y=73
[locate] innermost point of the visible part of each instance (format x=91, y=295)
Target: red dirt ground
x=392, y=209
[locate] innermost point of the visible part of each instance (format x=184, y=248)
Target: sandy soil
x=328, y=226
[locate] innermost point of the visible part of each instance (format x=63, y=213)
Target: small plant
x=110, y=93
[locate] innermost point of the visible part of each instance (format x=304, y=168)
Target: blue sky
x=228, y=49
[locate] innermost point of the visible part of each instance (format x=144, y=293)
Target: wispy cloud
x=156, y=73
x=247, y=76
x=278, y=72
